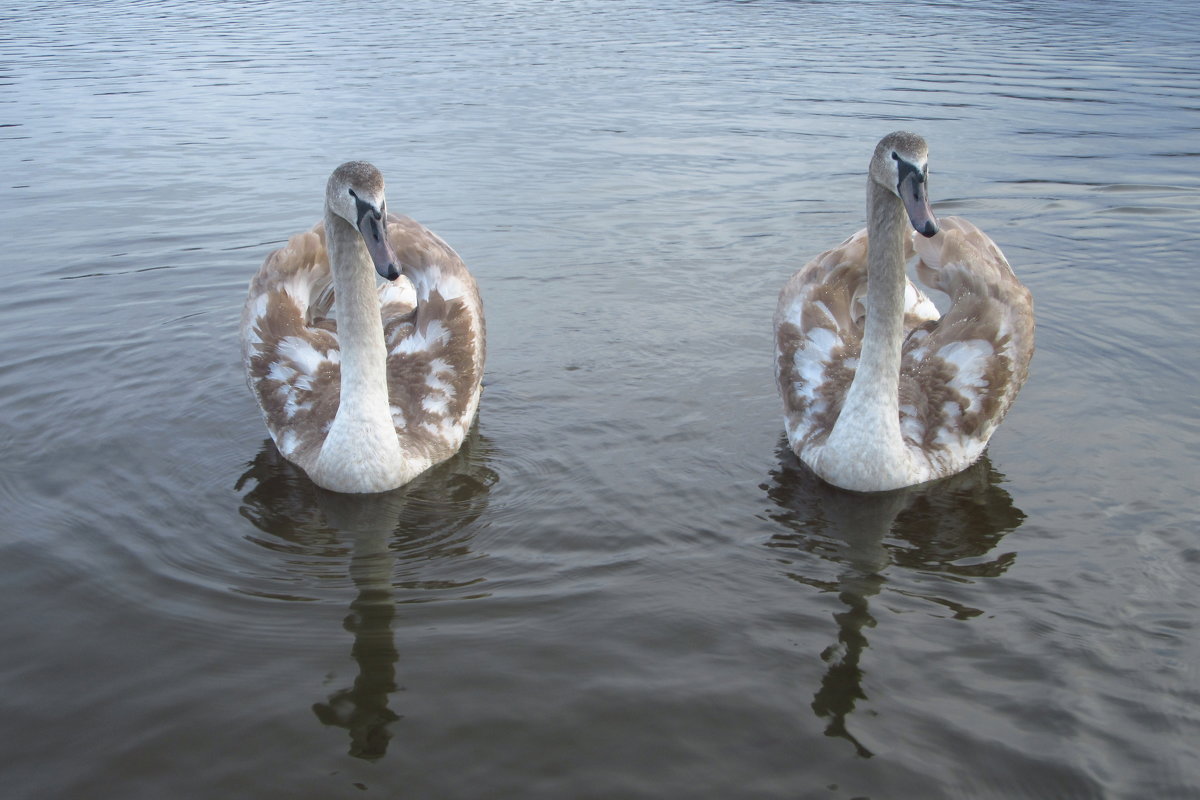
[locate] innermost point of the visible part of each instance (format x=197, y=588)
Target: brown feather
x=988, y=305
x=289, y=306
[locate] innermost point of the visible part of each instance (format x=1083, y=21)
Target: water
x=623, y=586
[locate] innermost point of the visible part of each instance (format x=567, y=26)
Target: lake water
x=624, y=586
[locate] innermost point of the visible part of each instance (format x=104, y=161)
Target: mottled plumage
x=426, y=327
x=958, y=373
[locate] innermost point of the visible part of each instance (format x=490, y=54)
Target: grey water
x=624, y=586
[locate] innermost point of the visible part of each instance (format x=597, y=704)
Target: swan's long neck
x=877, y=378
x=360, y=329
x=865, y=448
x=361, y=452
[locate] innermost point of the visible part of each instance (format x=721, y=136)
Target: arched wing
x=961, y=373
x=290, y=348
x=435, y=350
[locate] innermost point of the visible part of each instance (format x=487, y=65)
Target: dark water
x=624, y=586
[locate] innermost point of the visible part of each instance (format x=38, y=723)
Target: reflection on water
x=393, y=542
x=362, y=709
x=632, y=182
x=948, y=527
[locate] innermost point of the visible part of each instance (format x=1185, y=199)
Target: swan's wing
x=960, y=374
x=435, y=352
x=290, y=348
x=818, y=336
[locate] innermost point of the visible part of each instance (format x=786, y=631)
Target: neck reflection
x=406, y=546
x=362, y=709
x=950, y=527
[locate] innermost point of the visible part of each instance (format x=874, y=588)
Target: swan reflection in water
x=950, y=526
x=392, y=541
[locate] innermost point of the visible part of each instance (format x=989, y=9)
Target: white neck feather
x=877, y=379
x=866, y=448
x=360, y=329
x=361, y=452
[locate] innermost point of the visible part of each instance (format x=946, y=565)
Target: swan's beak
x=916, y=203
x=373, y=228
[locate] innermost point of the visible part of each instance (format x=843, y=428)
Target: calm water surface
x=623, y=586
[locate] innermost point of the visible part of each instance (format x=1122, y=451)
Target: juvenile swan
x=905, y=396
x=368, y=400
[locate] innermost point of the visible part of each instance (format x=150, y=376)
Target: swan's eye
x=352, y=194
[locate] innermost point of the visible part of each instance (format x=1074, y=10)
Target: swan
x=909, y=395
x=368, y=400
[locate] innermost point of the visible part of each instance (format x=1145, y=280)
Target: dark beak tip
x=930, y=230
x=388, y=271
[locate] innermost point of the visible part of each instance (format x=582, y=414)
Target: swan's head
x=355, y=193
x=901, y=165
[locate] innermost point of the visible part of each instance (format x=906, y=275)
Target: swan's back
x=959, y=373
